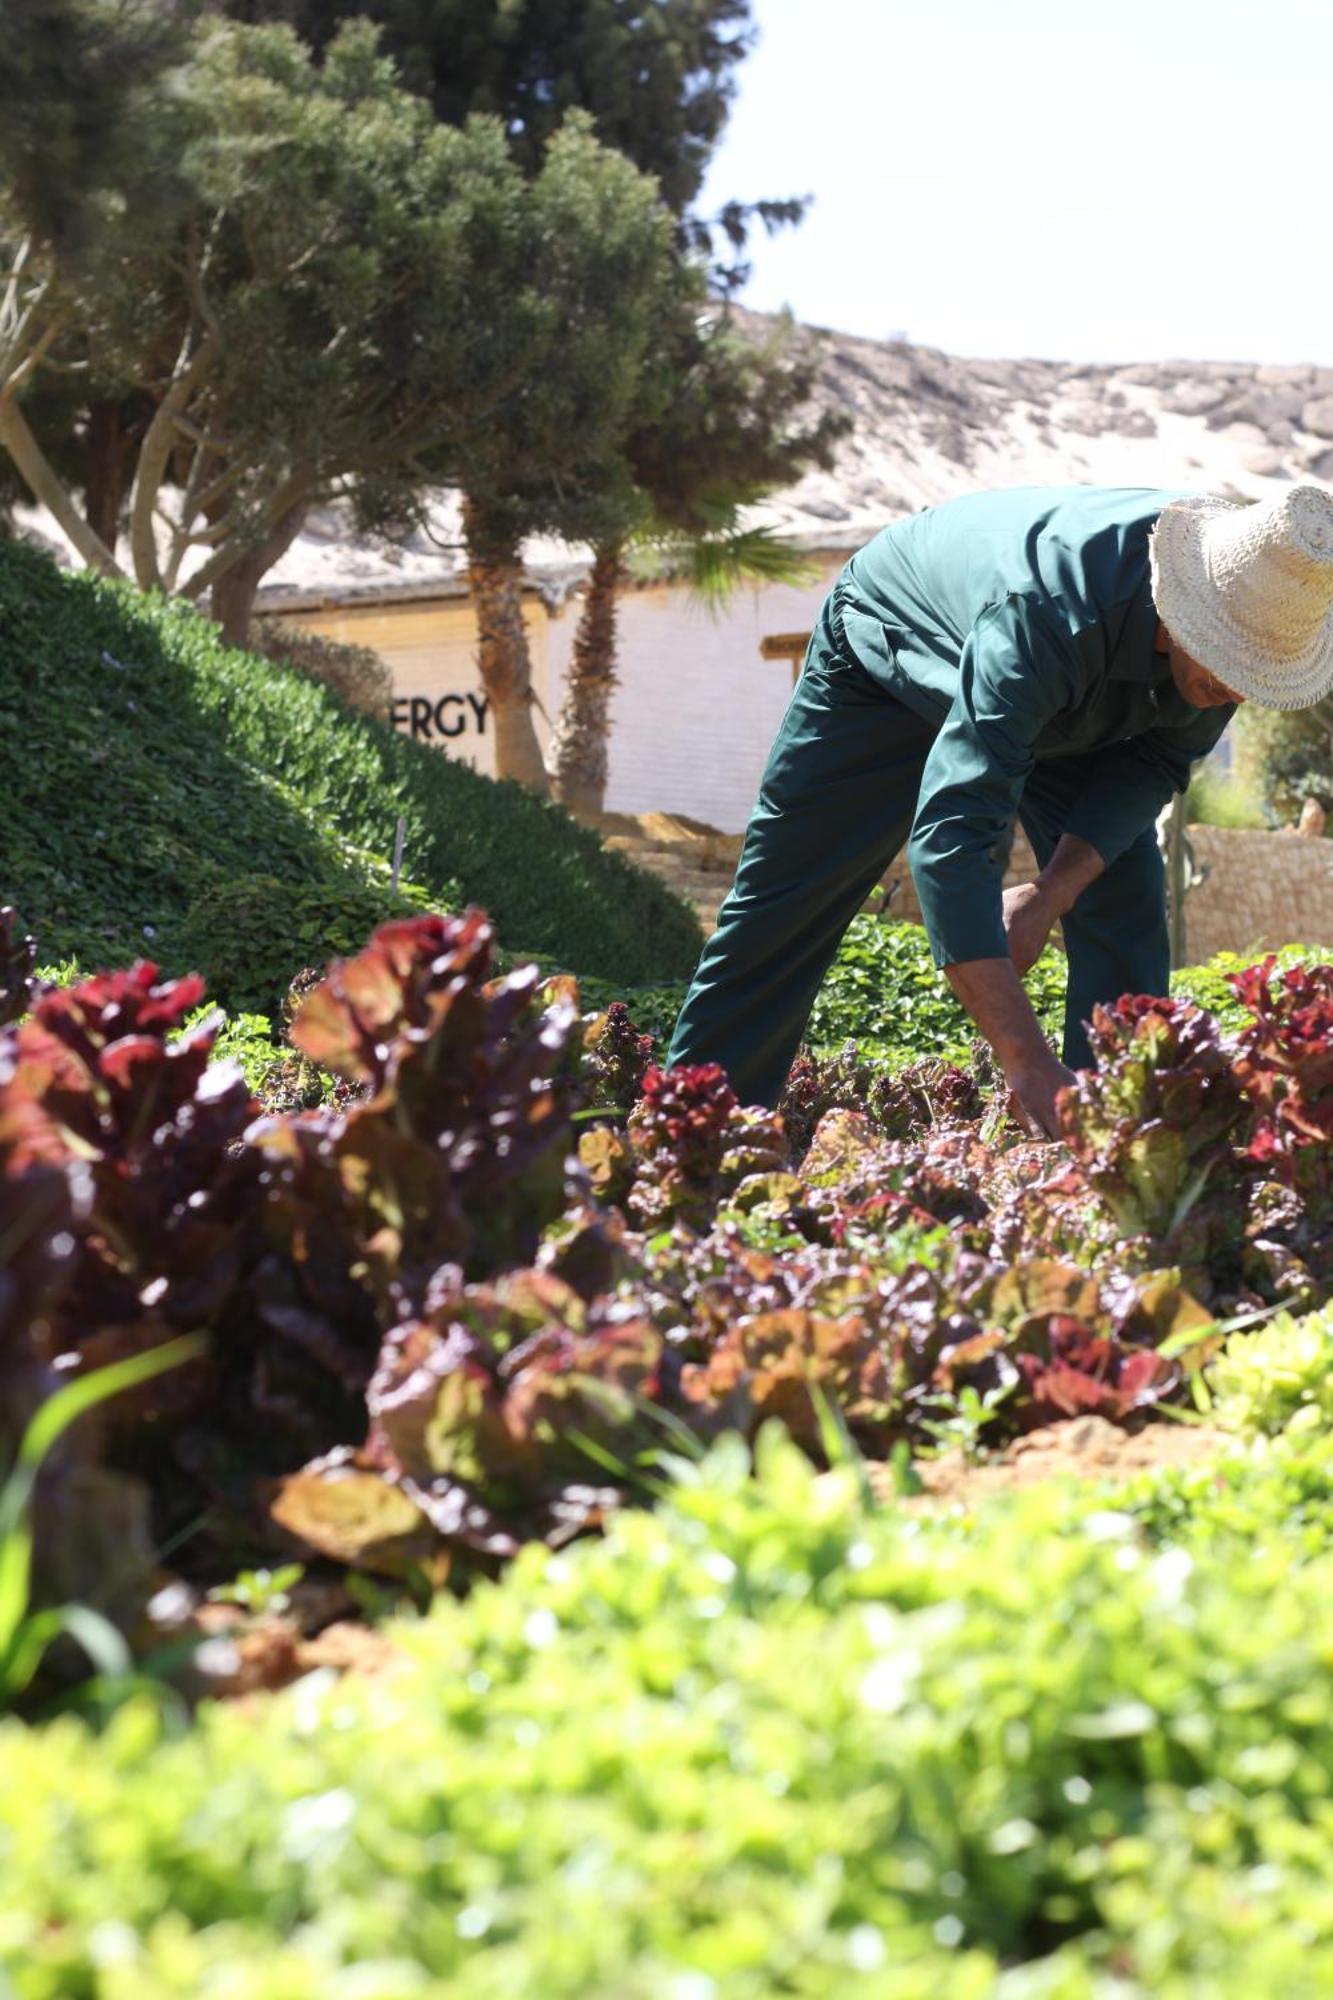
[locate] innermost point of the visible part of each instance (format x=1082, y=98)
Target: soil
x=1082, y=1448
x=258, y=1653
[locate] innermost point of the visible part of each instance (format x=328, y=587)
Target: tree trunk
x=582, y=728
x=111, y=444
x=495, y=574
x=48, y=489
x=231, y=597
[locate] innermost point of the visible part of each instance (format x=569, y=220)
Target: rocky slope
x=928, y=425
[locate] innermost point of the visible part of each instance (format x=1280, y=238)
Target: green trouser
x=836, y=804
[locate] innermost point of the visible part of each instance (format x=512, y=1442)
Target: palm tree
x=725, y=418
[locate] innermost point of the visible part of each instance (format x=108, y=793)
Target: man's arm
x=1020, y=667
x=993, y=995
x=991, y=991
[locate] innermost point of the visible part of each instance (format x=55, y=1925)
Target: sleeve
x=1135, y=780
x=1019, y=668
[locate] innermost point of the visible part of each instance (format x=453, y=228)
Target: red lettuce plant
x=1155, y=1126
x=900, y=1105
x=510, y=1412
x=1075, y=1372
x=456, y=1151
x=615, y=1059
x=1284, y=1059
x=692, y=1145
x=436, y=1336
x=776, y=1364
x=100, y=1082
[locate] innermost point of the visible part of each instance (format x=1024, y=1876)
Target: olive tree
x=315, y=290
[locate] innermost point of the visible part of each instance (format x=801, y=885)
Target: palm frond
x=714, y=566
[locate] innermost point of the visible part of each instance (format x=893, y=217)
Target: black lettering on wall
x=427, y=717
x=446, y=722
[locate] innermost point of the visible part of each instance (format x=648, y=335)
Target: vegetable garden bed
x=469, y=1301
x=858, y=1724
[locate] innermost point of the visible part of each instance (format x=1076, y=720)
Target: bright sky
x=1083, y=179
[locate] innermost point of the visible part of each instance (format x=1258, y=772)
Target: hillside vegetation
x=169, y=797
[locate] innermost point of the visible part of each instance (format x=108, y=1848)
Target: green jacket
x=1021, y=622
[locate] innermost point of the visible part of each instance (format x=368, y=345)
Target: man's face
x=1200, y=688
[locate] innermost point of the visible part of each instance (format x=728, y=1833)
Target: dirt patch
x=269, y=1654
x=1082, y=1448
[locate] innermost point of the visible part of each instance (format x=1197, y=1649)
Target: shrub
x=147, y=765
x=256, y=933
x=356, y=674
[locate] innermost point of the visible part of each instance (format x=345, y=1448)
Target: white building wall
x=697, y=708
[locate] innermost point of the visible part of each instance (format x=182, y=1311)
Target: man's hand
x=1035, y=1085
x=1032, y=910
x=1030, y=916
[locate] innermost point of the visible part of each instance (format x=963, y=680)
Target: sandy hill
x=929, y=424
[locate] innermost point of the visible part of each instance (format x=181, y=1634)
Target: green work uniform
x=989, y=659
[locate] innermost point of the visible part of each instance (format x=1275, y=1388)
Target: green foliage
x=769, y=1739
x=366, y=299
x=1276, y=1377
x=255, y=934
x=1291, y=753
x=80, y=81
x=657, y=81
x=246, y=1039
x=884, y=993
x=356, y=674
x=260, y=1591
x=727, y=415
x=153, y=768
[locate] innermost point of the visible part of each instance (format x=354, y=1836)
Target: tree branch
x=155, y=456
x=292, y=496
x=49, y=490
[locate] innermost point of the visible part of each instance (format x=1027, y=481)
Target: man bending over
x=1059, y=655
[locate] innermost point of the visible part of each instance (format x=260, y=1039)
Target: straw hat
x=1247, y=591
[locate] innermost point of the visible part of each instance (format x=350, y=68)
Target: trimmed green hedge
x=769, y=1740
x=151, y=774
